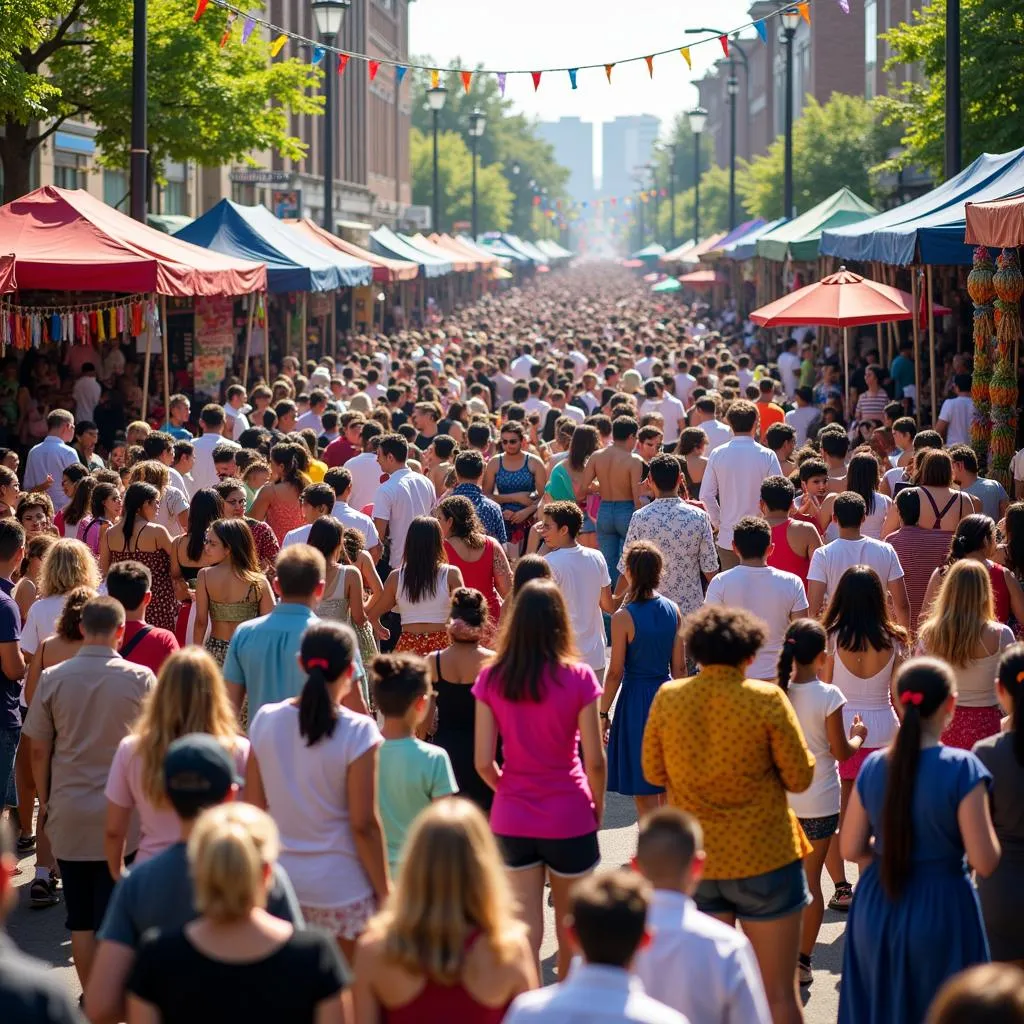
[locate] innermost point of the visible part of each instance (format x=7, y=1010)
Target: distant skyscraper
x=628, y=143
x=573, y=142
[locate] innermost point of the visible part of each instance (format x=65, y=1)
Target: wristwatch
x=604, y=716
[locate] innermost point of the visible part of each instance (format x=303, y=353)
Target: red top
x=783, y=557
x=1000, y=592
x=920, y=552
x=153, y=649
x=479, y=574
x=339, y=451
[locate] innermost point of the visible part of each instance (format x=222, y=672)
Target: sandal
x=842, y=897
x=26, y=845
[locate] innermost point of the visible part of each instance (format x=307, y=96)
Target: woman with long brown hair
x=918, y=816
x=566, y=480
x=962, y=630
x=277, y=502
x=547, y=806
x=447, y=945
x=189, y=696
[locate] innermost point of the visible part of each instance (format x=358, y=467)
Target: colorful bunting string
x=247, y=29
x=201, y=6
x=400, y=74
x=650, y=65
x=342, y=63
x=608, y=72
x=374, y=66
x=724, y=40
x=501, y=83
x=685, y=52
x=467, y=80
x=278, y=44
x=435, y=78
x=227, y=30
x=805, y=11
x=572, y=76
x=762, y=31
x=318, y=54
x=535, y=75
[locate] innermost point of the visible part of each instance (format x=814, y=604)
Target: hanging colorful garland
x=25, y=327
x=982, y=292
x=1009, y=286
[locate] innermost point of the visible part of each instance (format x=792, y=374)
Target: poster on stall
x=214, y=342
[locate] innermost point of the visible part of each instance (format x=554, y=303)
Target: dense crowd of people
x=312, y=696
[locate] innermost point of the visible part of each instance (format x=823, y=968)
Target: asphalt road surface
x=41, y=932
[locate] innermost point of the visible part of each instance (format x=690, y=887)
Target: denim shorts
x=820, y=828
x=765, y=897
x=8, y=752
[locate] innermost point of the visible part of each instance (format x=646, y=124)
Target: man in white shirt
x=685, y=382
x=523, y=365
x=643, y=366
x=311, y=417
x=671, y=410
x=607, y=923
x=340, y=480
x=829, y=562
x=803, y=416
x=503, y=383
x=365, y=469
x=954, y=424
x=535, y=403
x=401, y=498
x=774, y=596
x=47, y=461
x=693, y=963
x=731, y=488
x=236, y=418
x=705, y=416
x=564, y=409
x=86, y=393
x=211, y=423
x=582, y=576
x=317, y=501
x=374, y=389
x=789, y=366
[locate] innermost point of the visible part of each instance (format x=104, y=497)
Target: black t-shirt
x=187, y=987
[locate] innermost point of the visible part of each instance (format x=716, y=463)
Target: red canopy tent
x=456, y=248
x=1000, y=222
x=385, y=269
x=70, y=241
x=8, y=282
x=701, y=278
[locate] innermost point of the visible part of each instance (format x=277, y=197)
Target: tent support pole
x=251, y=299
x=331, y=326
x=846, y=365
x=266, y=337
x=931, y=345
x=145, y=369
x=915, y=331
x=165, y=349
x=305, y=321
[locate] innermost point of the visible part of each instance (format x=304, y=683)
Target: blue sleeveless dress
x=898, y=953
x=648, y=665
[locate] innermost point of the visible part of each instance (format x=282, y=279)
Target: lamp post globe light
x=436, y=98
x=790, y=22
x=477, y=122
x=698, y=118
x=328, y=15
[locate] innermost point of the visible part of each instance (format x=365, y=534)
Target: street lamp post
x=435, y=100
x=515, y=198
x=790, y=23
x=672, y=149
x=654, y=189
x=477, y=123
x=327, y=14
x=139, y=161
x=698, y=119
x=954, y=148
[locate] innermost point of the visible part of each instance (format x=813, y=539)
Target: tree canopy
x=207, y=104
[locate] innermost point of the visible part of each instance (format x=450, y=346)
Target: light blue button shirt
x=263, y=656
x=50, y=458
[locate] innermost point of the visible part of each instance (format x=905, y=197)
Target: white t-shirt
x=671, y=411
x=829, y=562
x=772, y=595
x=872, y=525
x=789, y=371
x=172, y=504
x=366, y=474
x=41, y=621
x=813, y=703
x=307, y=798
x=800, y=419
x=353, y=519
x=580, y=574
x=297, y=536
x=958, y=413
x=893, y=477
x=685, y=383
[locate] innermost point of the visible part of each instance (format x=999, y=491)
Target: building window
x=65, y=177
x=174, y=199
x=870, y=46
x=115, y=188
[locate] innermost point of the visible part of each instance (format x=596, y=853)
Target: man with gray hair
x=80, y=712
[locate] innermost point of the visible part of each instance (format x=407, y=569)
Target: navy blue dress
x=648, y=665
x=899, y=953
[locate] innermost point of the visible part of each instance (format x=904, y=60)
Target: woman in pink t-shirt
x=547, y=807
x=189, y=696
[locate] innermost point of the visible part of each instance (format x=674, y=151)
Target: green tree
x=714, y=208
x=510, y=139
x=834, y=144
x=206, y=104
x=991, y=81
x=454, y=171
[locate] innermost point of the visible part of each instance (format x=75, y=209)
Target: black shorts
x=87, y=890
x=569, y=858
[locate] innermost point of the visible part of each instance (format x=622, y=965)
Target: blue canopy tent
x=745, y=247
x=738, y=232
x=528, y=249
x=500, y=248
x=929, y=229
x=387, y=243
x=254, y=233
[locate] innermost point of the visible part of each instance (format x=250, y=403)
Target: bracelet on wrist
x=604, y=716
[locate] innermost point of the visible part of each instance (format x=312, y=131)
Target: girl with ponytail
x=1002, y=893
x=819, y=708
x=918, y=816
x=321, y=788
x=277, y=502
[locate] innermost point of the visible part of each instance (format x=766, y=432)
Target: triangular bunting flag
x=535, y=75
x=400, y=74
x=374, y=67
x=467, y=78
x=435, y=79
x=805, y=11
x=650, y=65
x=318, y=54
x=501, y=83
x=608, y=72
x=572, y=76
x=278, y=45
x=685, y=51
x=200, y=7
x=724, y=40
x=762, y=31
x=342, y=63
x=247, y=30
x=227, y=30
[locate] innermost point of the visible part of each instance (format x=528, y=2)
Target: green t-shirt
x=412, y=775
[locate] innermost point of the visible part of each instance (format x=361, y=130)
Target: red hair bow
x=325, y=664
x=912, y=697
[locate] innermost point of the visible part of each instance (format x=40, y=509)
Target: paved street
x=41, y=932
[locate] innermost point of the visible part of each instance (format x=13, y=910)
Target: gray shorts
x=765, y=897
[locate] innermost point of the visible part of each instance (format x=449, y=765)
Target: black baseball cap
x=198, y=773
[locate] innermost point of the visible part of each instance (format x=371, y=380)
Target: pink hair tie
x=318, y=663
x=912, y=697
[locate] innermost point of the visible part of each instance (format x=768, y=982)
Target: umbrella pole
x=165, y=348
x=332, y=326
x=145, y=369
x=931, y=344
x=251, y=299
x=305, y=322
x=915, y=331
x=846, y=366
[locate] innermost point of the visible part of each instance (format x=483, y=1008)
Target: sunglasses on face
x=507, y=441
